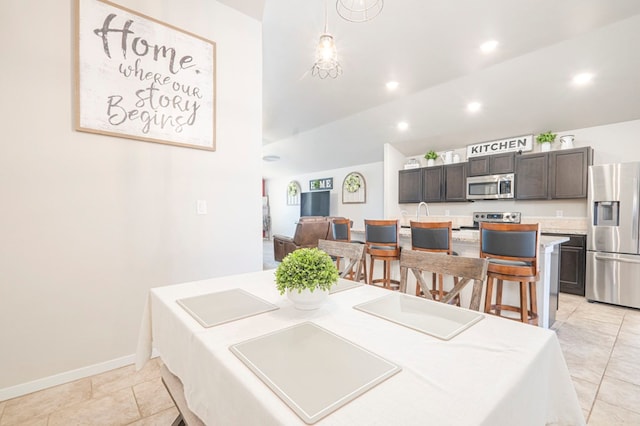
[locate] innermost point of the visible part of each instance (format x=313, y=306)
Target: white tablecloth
x=498, y=372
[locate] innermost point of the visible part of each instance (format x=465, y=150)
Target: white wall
x=284, y=217
x=88, y=222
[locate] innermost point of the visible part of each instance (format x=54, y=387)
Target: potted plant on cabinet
x=545, y=140
x=306, y=275
x=431, y=157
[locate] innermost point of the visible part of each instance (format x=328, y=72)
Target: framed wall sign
x=354, y=189
x=140, y=78
x=320, y=184
x=517, y=143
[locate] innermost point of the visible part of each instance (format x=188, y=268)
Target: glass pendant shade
x=359, y=10
x=326, y=64
x=326, y=58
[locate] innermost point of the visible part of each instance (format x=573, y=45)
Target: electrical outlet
x=559, y=213
x=447, y=212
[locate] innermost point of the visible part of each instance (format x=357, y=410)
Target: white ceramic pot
x=545, y=146
x=447, y=157
x=307, y=300
x=431, y=162
x=566, y=141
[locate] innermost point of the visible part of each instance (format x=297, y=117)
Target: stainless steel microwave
x=492, y=187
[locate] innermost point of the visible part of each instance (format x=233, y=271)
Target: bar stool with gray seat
x=433, y=237
x=512, y=250
x=382, y=241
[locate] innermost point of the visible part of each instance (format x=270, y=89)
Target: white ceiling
x=431, y=49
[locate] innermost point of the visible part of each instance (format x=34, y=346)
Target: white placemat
x=313, y=370
x=427, y=316
x=224, y=306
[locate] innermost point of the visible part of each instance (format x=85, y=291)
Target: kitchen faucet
x=426, y=209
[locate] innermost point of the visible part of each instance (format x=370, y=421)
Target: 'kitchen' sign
x=518, y=143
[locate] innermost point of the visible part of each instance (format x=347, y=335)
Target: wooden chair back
x=354, y=252
x=465, y=269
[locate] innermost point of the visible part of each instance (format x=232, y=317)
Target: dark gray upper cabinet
x=492, y=164
x=568, y=172
x=553, y=175
x=532, y=171
x=410, y=186
x=432, y=184
x=455, y=182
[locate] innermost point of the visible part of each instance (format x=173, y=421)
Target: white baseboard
x=66, y=377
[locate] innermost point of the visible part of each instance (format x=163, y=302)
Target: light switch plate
x=201, y=206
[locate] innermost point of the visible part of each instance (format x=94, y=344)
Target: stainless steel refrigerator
x=613, y=234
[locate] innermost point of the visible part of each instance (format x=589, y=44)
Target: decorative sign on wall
x=320, y=184
x=518, y=143
x=354, y=189
x=139, y=78
x=293, y=193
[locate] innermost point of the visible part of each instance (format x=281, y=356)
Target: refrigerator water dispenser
x=606, y=213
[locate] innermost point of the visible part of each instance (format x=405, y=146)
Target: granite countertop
x=473, y=236
x=554, y=225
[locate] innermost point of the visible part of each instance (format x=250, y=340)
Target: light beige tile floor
x=118, y=397
x=601, y=345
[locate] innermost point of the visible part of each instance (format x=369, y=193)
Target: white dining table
x=496, y=372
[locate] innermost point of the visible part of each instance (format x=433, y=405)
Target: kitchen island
x=466, y=243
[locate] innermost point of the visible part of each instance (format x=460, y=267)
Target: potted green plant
x=431, y=157
x=306, y=275
x=545, y=140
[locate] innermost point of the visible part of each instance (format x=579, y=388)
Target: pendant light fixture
x=359, y=10
x=327, y=64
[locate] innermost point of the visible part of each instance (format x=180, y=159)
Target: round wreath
x=352, y=183
x=292, y=189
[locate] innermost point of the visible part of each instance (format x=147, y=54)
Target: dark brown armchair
x=309, y=230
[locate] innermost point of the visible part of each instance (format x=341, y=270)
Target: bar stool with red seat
x=382, y=240
x=512, y=251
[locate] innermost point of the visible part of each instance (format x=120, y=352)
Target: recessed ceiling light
x=474, y=106
x=583, y=78
x=270, y=158
x=392, y=85
x=488, y=46
x=403, y=126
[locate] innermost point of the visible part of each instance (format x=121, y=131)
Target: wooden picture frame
x=354, y=189
x=140, y=78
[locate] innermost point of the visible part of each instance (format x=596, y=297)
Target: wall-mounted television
x=315, y=203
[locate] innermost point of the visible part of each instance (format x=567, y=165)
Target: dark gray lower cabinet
x=573, y=262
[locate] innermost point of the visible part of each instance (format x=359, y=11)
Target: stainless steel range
x=494, y=217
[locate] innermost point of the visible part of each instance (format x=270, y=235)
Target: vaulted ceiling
x=431, y=48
